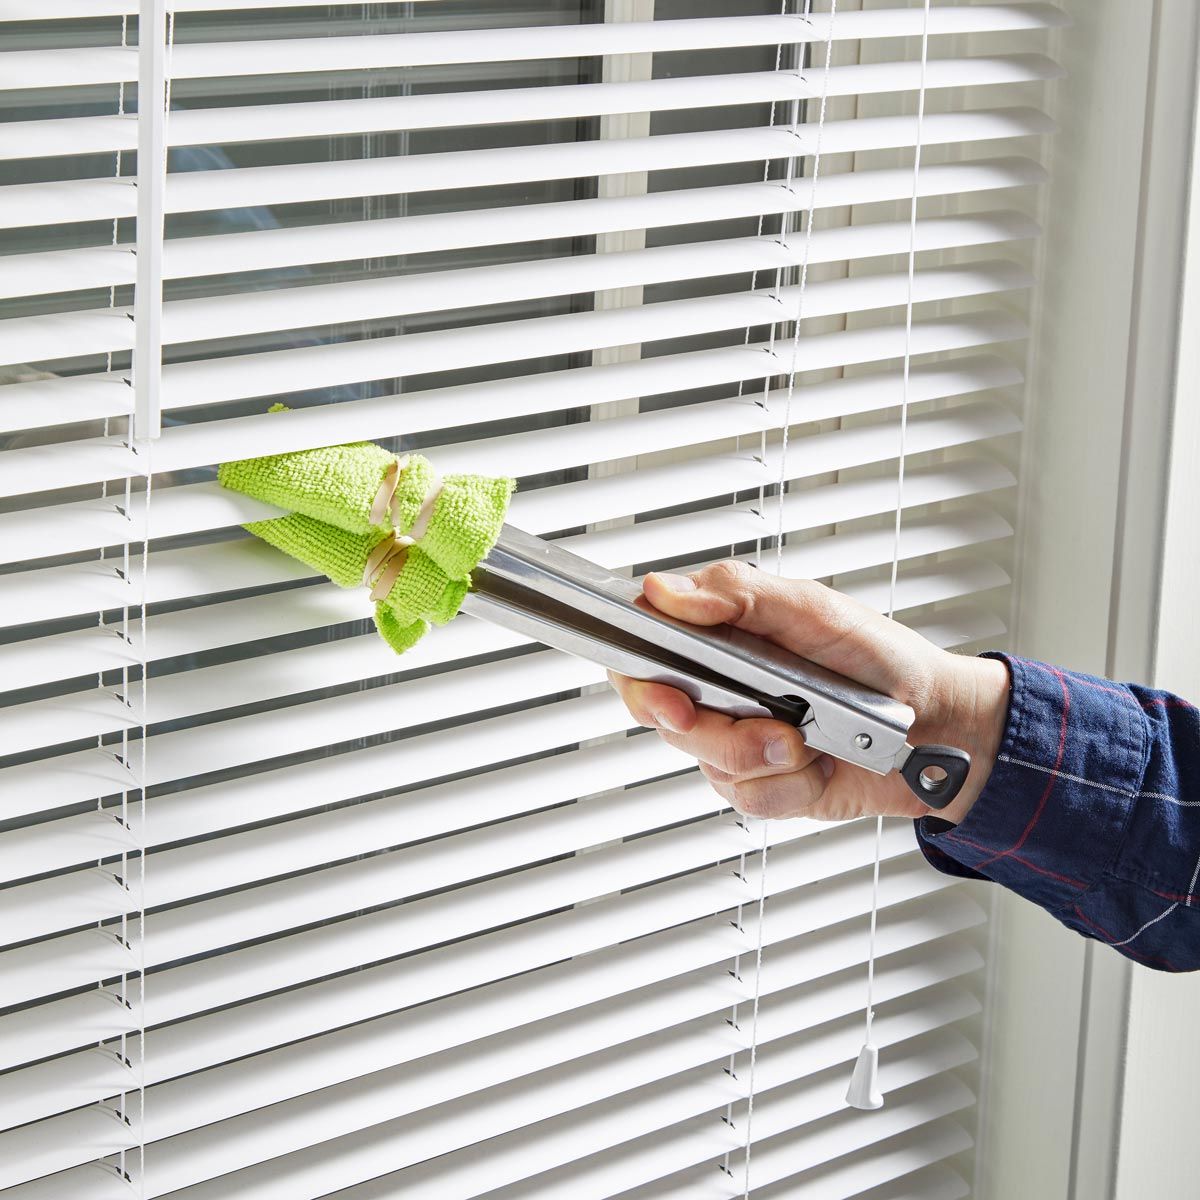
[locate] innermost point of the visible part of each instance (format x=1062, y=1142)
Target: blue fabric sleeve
x=1092, y=811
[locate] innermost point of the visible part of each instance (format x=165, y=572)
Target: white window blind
x=285, y=916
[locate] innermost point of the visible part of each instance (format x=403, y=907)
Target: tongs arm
x=538, y=589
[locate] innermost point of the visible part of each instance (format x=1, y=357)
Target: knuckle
x=750, y=801
x=714, y=774
x=742, y=755
x=733, y=580
x=729, y=571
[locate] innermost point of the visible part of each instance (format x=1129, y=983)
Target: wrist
x=971, y=714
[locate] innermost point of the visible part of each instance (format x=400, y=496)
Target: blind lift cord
x=863, y=1091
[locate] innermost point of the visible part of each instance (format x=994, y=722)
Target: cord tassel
x=863, y=1091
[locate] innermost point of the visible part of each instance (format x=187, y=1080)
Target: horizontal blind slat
x=191, y=60
x=305, y=245
x=200, y=1156
x=670, y=536
x=648, y=1159
x=604, y=1126
x=98, y=459
x=915, y=953
x=302, y=119
x=69, y=841
x=959, y=626
x=100, y=331
x=372, y=990
x=78, y=959
x=897, y=1173
x=69, y=200
x=42, y=724
x=45, y=10
x=197, y=508
x=939, y=1097
x=453, y=860
x=220, y=567
x=75, y=777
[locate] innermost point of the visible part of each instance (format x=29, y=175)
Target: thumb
x=798, y=614
x=801, y=615
x=683, y=597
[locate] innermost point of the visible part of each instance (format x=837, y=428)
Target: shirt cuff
x=1038, y=827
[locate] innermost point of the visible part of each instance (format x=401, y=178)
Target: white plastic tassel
x=863, y=1091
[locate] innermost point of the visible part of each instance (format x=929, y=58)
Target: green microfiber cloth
x=466, y=520
x=421, y=593
x=336, y=484
x=340, y=485
x=347, y=501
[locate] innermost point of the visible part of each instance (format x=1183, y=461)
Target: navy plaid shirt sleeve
x=1092, y=811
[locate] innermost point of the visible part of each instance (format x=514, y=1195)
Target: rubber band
x=383, y=566
x=384, y=504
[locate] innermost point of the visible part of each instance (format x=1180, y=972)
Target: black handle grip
x=936, y=773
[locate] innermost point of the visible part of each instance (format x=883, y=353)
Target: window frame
x=1081, y=1097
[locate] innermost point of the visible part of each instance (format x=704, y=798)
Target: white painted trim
x=1056, y=1008
x=1158, y=1153
x=1104, y=1119
x=1108, y=576
x=1177, y=648
x=1154, y=339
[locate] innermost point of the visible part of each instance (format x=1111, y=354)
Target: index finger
x=655, y=704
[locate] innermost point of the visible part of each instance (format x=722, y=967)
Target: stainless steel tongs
x=536, y=588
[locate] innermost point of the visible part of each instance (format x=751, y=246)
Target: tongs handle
x=936, y=774
x=543, y=591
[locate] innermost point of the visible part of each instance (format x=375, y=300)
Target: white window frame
x=1083, y=1097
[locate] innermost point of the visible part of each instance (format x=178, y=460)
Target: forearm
x=1083, y=811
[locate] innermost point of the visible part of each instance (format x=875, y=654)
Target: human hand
x=762, y=766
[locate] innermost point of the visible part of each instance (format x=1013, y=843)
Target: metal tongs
x=536, y=588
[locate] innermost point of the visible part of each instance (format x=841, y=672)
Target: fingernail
x=826, y=764
x=662, y=720
x=777, y=753
x=676, y=583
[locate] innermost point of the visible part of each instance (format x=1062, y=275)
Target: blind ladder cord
x=739, y=918
x=781, y=485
